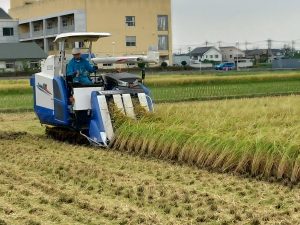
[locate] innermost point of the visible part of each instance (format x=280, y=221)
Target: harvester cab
x=85, y=109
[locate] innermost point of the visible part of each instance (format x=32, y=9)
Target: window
x=81, y=44
x=72, y=21
x=34, y=64
x=10, y=65
x=216, y=56
x=36, y=27
x=8, y=31
x=49, y=25
x=230, y=56
x=163, y=42
x=130, y=41
x=211, y=56
x=130, y=21
x=162, y=23
x=64, y=22
x=107, y=64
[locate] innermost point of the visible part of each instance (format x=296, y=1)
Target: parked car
x=225, y=66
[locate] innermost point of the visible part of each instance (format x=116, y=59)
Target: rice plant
x=259, y=137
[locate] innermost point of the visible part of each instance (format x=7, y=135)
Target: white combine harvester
x=89, y=115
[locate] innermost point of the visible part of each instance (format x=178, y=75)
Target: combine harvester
x=89, y=114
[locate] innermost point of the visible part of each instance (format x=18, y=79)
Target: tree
x=164, y=65
x=142, y=65
x=288, y=51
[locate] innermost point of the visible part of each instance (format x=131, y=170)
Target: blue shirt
x=83, y=67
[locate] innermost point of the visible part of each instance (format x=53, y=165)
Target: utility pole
x=220, y=43
x=246, y=45
x=270, y=54
x=237, y=56
x=293, y=47
x=189, y=51
x=206, y=43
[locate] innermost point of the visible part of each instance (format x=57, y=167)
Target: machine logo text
x=44, y=88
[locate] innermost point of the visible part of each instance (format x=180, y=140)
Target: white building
x=8, y=28
x=210, y=54
x=231, y=53
x=179, y=58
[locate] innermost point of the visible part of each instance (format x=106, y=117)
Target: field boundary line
x=213, y=98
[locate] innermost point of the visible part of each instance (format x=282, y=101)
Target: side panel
x=46, y=116
x=60, y=100
x=44, y=91
x=96, y=129
x=82, y=97
x=44, y=110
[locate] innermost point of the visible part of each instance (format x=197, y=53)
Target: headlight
x=122, y=83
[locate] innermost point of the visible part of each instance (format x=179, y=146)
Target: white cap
x=76, y=51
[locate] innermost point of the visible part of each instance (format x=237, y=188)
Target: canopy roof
x=80, y=36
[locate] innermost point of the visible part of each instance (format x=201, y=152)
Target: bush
x=164, y=65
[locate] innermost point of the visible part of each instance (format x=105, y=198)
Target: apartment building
x=134, y=24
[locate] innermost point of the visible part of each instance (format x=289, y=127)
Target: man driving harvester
x=79, y=69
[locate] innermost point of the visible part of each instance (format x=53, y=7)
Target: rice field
x=43, y=181
x=256, y=137
x=208, y=162
x=15, y=95
x=176, y=88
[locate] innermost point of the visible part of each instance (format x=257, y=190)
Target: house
x=231, y=53
x=19, y=56
x=134, y=24
x=179, y=58
x=201, y=54
x=264, y=55
x=8, y=28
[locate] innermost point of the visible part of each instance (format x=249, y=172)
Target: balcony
x=67, y=29
x=25, y=35
x=52, y=31
x=38, y=33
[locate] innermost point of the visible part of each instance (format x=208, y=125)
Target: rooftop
x=201, y=50
x=4, y=15
x=13, y=51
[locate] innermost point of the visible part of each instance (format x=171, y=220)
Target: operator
x=79, y=68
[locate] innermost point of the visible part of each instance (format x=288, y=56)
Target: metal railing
x=38, y=33
x=52, y=31
x=65, y=29
x=25, y=35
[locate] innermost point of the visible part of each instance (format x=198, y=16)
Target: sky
x=224, y=23
x=231, y=21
